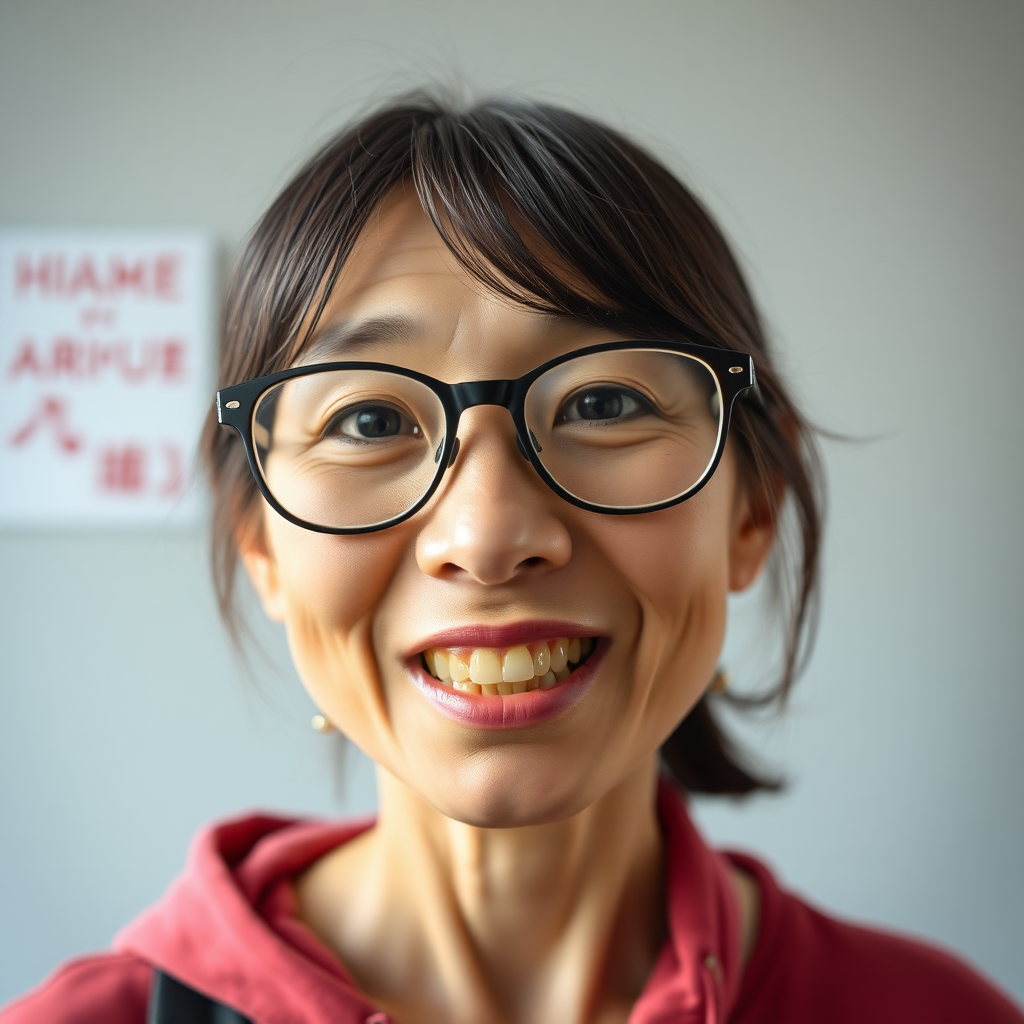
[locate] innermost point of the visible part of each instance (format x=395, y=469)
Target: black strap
x=173, y=1002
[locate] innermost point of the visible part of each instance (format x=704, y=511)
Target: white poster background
x=104, y=375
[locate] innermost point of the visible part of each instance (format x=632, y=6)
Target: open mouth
x=502, y=671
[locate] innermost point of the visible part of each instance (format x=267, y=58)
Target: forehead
x=403, y=297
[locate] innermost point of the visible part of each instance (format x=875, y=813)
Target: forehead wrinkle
x=521, y=344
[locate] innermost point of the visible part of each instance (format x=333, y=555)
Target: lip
x=517, y=710
x=526, y=632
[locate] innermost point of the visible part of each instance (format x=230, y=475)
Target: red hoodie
x=227, y=927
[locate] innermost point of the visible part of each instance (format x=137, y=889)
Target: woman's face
x=497, y=561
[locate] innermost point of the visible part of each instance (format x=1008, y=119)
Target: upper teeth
x=494, y=671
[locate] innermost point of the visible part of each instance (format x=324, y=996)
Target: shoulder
x=110, y=988
x=808, y=967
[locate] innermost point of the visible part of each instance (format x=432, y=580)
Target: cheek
x=676, y=565
x=674, y=557
x=330, y=587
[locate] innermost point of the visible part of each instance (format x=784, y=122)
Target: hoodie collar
x=209, y=930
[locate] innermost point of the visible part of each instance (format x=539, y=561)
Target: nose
x=494, y=520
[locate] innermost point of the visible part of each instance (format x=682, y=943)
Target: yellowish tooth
x=489, y=689
x=548, y=680
x=541, y=658
x=586, y=646
x=458, y=667
x=460, y=686
x=505, y=689
x=517, y=665
x=533, y=684
x=562, y=673
x=574, y=650
x=439, y=659
x=466, y=686
x=485, y=666
x=559, y=654
x=522, y=685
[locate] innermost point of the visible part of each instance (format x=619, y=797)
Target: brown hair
x=519, y=191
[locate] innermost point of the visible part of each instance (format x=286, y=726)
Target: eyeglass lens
x=347, y=449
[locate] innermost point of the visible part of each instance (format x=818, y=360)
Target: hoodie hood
x=227, y=927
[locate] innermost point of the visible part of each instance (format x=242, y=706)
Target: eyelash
x=334, y=424
x=642, y=405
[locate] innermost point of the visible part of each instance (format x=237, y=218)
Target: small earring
x=720, y=681
x=322, y=724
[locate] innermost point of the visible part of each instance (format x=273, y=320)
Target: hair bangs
x=541, y=211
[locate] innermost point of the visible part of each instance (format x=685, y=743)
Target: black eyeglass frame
x=733, y=370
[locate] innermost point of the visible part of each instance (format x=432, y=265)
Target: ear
x=752, y=534
x=261, y=565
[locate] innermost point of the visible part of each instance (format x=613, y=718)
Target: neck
x=555, y=922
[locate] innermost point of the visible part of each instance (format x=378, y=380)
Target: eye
x=602, y=403
x=371, y=422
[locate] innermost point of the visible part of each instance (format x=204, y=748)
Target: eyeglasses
x=620, y=428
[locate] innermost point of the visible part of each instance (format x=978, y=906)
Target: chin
x=489, y=792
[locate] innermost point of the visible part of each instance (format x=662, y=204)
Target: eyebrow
x=348, y=337
x=556, y=322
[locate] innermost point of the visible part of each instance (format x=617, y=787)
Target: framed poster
x=105, y=360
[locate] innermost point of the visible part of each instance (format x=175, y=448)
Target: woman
x=506, y=433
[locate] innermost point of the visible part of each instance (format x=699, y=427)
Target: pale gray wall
x=866, y=157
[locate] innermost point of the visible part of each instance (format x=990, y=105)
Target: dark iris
x=600, y=404
x=378, y=421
